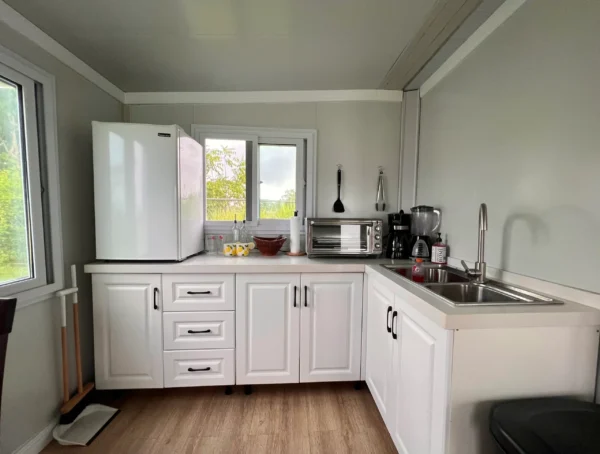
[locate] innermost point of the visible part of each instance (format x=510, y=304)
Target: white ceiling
x=232, y=45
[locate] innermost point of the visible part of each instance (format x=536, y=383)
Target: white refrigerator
x=148, y=192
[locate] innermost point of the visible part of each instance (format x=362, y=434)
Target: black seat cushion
x=547, y=426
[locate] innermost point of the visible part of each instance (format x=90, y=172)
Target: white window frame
x=39, y=106
x=304, y=139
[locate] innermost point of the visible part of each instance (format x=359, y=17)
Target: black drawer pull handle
x=207, y=292
x=155, y=298
x=191, y=331
x=306, y=296
x=394, y=334
x=204, y=369
x=387, y=320
x=295, y=291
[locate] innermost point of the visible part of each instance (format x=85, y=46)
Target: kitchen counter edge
x=449, y=316
x=423, y=301
x=255, y=264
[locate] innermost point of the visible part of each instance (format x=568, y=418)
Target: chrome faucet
x=480, y=265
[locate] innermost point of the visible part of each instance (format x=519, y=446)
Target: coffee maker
x=398, y=242
x=422, y=227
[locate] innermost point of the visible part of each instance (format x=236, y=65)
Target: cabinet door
x=421, y=374
x=127, y=331
x=330, y=327
x=380, y=346
x=267, y=328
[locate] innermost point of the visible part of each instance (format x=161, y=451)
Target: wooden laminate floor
x=300, y=418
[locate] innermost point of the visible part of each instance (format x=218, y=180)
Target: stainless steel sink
x=433, y=273
x=471, y=288
x=460, y=290
x=487, y=294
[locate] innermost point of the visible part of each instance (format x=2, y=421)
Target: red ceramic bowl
x=269, y=245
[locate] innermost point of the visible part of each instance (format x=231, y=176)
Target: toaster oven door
x=340, y=239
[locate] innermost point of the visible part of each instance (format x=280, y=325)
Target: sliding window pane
x=225, y=179
x=277, y=193
x=15, y=257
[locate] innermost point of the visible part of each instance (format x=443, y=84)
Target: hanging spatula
x=338, y=206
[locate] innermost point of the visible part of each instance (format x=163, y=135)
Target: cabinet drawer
x=198, y=292
x=199, y=368
x=196, y=330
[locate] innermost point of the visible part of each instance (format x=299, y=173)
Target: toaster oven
x=326, y=237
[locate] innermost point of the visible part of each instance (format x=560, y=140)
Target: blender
x=425, y=221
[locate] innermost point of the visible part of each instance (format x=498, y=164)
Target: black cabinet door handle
x=204, y=369
x=394, y=315
x=295, y=292
x=306, y=296
x=207, y=292
x=155, y=298
x=387, y=320
x=191, y=331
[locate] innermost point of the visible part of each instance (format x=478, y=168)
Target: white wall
x=358, y=135
x=32, y=381
x=517, y=125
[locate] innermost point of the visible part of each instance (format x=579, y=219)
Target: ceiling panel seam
x=499, y=16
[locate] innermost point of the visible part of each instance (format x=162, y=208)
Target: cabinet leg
x=247, y=390
x=358, y=385
x=228, y=390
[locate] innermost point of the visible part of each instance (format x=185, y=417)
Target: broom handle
x=63, y=338
x=76, y=330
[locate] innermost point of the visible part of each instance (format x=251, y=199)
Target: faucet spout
x=483, y=220
x=480, y=265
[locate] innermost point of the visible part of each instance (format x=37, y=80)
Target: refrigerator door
x=135, y=191
x=191, y=195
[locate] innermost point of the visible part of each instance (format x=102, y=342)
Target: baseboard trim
x=38, y=442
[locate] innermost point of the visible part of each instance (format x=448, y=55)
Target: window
x=226, y=192
x=29, y=239
x=260, y=175
x=281, y=178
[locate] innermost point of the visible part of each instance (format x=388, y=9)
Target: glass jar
x=210, y=244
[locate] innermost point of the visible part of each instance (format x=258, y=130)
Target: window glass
x=277, y=189
x=225, y=179
x=15, y=257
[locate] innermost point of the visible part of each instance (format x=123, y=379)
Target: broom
x=80, y=423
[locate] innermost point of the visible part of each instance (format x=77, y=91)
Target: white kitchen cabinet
x=420, y=379
x=267, y=328
x=330, y=327
x=380, y=346
x=294, y=328
x=408, y=368
x=127, y=331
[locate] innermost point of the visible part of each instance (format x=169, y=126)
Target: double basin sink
x=460, y=290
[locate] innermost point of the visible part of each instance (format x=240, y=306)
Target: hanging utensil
x=380, y=200
x=338, y=206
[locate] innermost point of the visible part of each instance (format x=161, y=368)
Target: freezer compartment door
x=136, y=191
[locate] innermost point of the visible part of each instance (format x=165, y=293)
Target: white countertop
x=254, y=263
x=427, y=303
